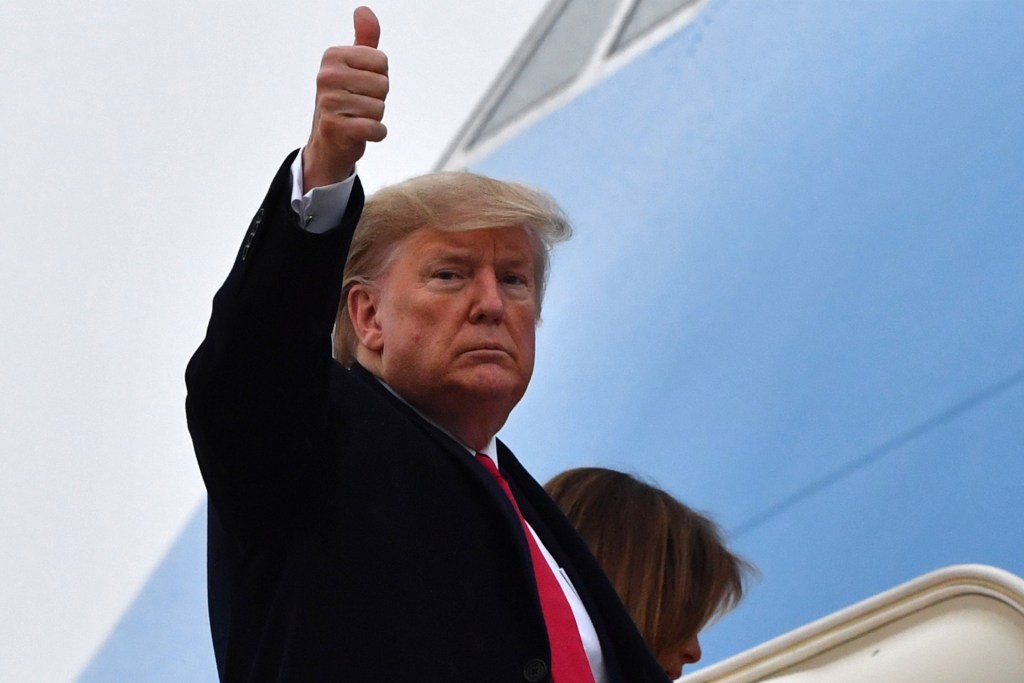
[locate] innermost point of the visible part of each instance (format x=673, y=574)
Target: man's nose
x=488, y=302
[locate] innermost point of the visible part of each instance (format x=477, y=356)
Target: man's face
x=456, y=314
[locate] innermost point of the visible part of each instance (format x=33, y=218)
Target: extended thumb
x=367, y=27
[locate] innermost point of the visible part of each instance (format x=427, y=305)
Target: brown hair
x=450, y=201
x=667, y=562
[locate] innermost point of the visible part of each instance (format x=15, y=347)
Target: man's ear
x=362, y=302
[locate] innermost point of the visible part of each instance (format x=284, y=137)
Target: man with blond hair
x=365, y=524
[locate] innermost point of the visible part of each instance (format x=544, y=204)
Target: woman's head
x=667, y=563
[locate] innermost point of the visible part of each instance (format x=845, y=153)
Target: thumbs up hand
x=350, y=90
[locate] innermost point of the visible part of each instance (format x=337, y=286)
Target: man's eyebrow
x=518, y=260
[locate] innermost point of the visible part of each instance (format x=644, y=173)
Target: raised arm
x=257, y=385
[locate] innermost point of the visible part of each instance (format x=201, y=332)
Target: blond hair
x=451, y=201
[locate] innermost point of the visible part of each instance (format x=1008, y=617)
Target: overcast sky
x=137, y=141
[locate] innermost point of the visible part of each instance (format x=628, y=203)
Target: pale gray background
x=137, y=140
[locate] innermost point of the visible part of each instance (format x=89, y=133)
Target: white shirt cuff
x=321, y=208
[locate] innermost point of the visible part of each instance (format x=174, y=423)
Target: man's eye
x=445, y=275
x=512, y=279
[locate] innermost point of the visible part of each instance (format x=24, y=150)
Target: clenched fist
x=350, y=91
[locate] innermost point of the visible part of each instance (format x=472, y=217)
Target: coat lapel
x=454, y=450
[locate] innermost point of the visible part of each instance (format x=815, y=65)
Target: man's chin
x=489, y=381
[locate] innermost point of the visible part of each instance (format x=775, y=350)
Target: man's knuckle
x=330, y=56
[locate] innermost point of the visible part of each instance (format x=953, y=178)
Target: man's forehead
x=512, y=242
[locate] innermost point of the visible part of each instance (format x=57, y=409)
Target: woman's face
x=673, y=658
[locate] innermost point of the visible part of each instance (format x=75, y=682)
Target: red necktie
x=569, y=662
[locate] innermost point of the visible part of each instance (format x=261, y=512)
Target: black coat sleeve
x=258, y=383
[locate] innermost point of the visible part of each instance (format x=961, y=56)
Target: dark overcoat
x=350, y=540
